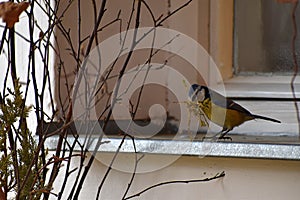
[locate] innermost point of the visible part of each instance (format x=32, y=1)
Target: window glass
x=263, y=36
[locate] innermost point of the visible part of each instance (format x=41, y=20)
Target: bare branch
x=217, y=176
x=296, y=66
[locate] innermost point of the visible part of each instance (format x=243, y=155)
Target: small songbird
x=221, y=110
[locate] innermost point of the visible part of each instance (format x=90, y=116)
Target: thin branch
x=79, y=31
x=173, y=12
x=117, y=19
x=111, y=164
x=136, y=162
x=217, y=176
x=296, y=66
x=150, y=11
x=75, y=90
x=161, y=20
x=13, y=144
x=114, y=98
x=3, y=39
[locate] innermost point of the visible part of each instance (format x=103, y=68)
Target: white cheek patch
x=201, y=95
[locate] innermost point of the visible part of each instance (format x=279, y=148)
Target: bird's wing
x=223, y=102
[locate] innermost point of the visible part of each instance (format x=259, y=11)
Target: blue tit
x=226, y=113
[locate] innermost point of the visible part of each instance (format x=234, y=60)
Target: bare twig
x=114, y=99
x=217, y=176
x=112, y=162
x=75, y=90
x=136, y=162
x=3, y=39
x=296, y=66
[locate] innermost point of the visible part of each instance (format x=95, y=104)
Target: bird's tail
x=266, y=118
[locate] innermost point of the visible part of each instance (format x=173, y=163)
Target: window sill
x=275, y=87
x=269, y=96
x=195, y=148
x=255, y=139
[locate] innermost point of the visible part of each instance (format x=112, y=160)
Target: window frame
x=254, y=86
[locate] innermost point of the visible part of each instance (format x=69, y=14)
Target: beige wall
x=246, y=179
x=208, y=22
x=192, y=21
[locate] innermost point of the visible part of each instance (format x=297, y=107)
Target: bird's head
x=198, y=93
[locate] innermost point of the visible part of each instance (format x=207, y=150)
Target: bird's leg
x=222, y=136
x=223, y=133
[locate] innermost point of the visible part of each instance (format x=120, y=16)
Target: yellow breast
x=226, y=118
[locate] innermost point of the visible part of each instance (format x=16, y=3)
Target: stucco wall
x=246, y=179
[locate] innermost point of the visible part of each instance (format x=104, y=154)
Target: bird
x=226, y=113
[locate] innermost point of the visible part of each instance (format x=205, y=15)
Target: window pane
x=263, y=36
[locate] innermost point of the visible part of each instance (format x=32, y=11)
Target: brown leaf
x=2, y=194
x=10, y=12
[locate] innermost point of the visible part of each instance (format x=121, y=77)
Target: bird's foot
x=216, y=138
x=224, y=138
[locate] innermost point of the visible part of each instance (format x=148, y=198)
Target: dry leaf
x=41, y=35
x=82, y=50
x=287, y=1
x=2, y=194
x=10, y=12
